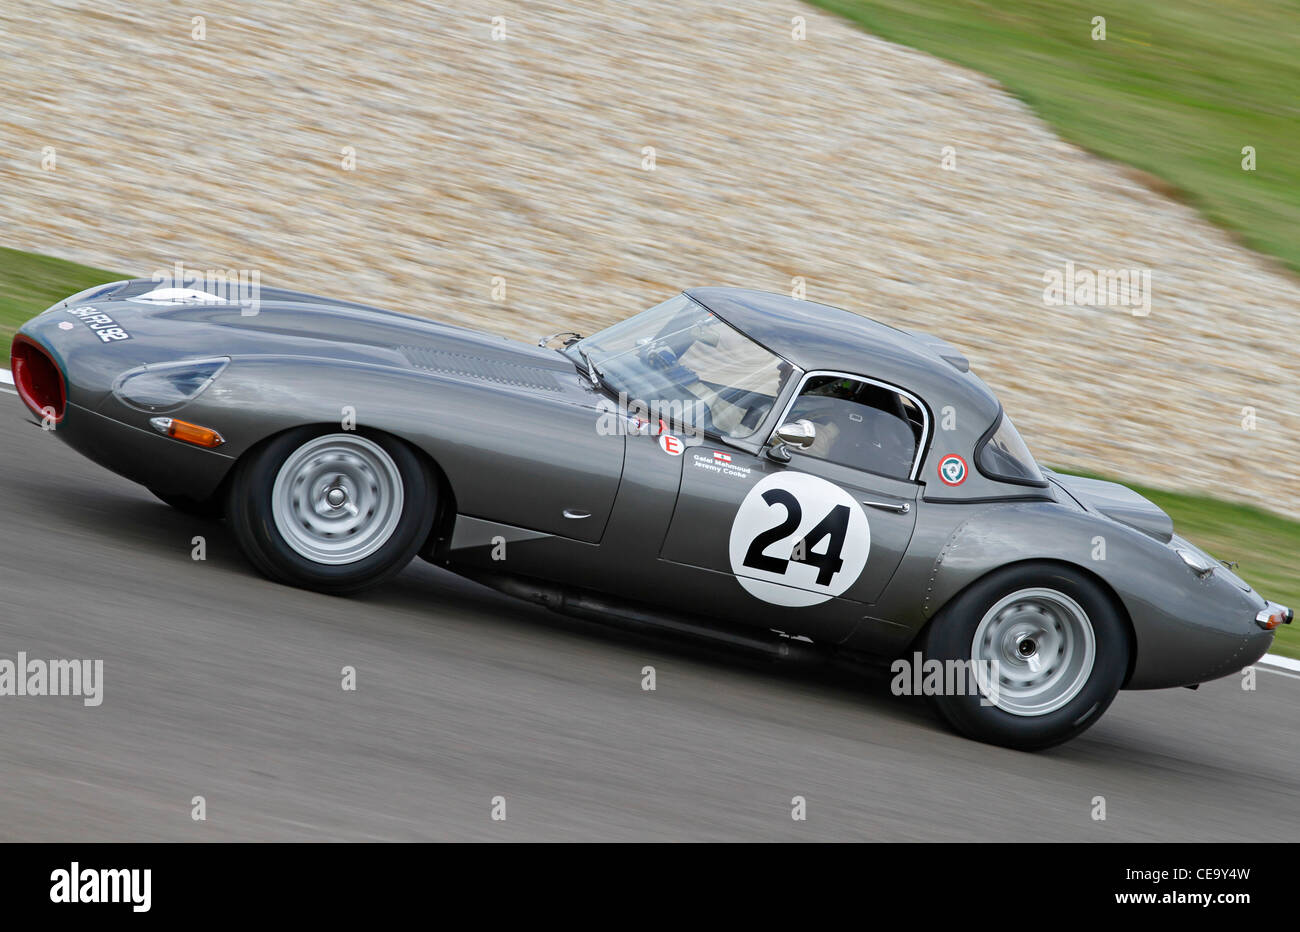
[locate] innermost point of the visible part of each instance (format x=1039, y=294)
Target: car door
x=827, y=525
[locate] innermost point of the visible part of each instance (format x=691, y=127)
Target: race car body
x=728, y=463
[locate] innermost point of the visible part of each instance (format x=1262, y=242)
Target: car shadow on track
x=153, y=530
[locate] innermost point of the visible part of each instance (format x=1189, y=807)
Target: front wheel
x=334, y=512
x=1047, y=646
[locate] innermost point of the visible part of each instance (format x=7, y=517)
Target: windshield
x=679, y=362
x=1005, y=456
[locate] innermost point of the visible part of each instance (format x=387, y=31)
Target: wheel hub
x=1041, y=648
x=337, y=499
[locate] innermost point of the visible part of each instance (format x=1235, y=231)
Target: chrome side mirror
x=800, y=434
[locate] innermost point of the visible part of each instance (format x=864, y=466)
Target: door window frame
x=922, y=445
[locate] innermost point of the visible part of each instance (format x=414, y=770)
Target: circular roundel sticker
x=952, y=469
x=798, y=540
x=671, y=445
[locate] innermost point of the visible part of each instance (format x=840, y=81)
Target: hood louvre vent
x=483, y=368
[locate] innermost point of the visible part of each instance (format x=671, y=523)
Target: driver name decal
x=798, y=540
x=721, y=464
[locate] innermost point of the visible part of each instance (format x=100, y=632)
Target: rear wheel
x=1054, y=648
x=335, y=512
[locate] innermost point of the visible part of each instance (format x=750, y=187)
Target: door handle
x=901, y=508
x=574, y=513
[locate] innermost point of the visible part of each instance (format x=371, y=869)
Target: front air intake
x=38, y=379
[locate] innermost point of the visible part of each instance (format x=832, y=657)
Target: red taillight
x=38, y=380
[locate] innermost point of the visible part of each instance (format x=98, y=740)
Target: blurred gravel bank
x=774, y=158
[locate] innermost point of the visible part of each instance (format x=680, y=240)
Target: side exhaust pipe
x=579, y=603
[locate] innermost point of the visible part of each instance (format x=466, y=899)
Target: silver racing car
x=731, y=465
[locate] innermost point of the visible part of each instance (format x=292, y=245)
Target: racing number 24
x=835, y=525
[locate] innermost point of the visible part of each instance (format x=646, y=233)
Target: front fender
x=509, y=455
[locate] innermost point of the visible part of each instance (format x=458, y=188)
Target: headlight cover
x=165, y=386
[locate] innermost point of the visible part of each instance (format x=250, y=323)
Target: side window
x=861, y=425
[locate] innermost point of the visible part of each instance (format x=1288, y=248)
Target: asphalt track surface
x=221, y=684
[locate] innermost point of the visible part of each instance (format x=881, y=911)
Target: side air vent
x=471, y=366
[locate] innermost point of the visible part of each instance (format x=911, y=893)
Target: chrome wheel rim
x=337, y=499
x=1041, y=648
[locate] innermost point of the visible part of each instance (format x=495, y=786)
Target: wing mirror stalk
x=799, y=434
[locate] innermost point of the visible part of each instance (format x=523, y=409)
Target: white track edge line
x=1282, y=663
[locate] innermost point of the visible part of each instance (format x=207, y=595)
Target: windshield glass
x=1005, y=456
x=681, y=363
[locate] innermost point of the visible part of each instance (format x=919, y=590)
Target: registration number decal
x=102, y=325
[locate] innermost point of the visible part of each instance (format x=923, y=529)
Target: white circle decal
x=671, y=445
x=798, y=540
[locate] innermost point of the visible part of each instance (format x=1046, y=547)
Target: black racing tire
x=286, y=540
x=1004, y=610
x=213, y=507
